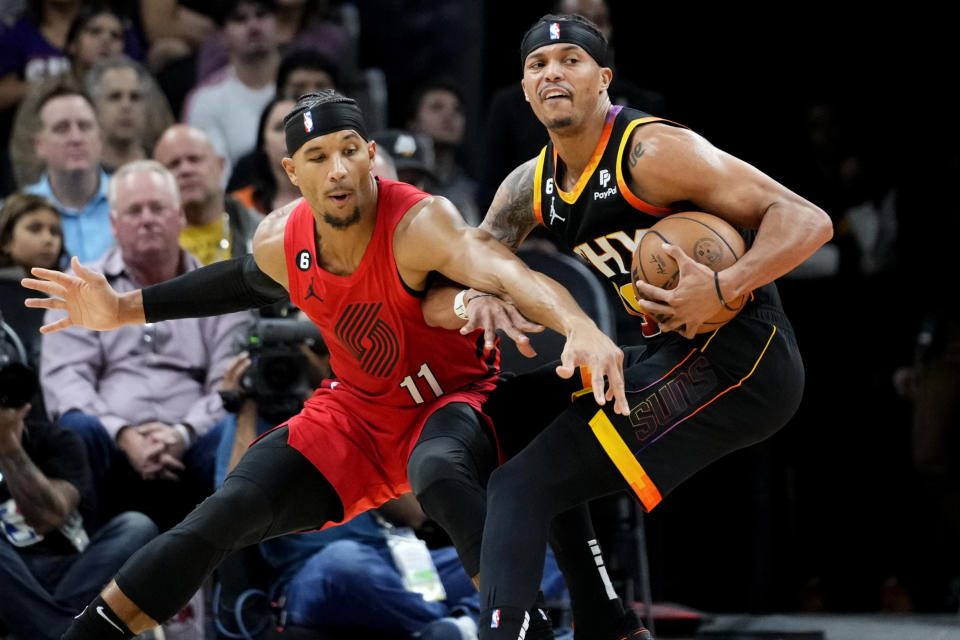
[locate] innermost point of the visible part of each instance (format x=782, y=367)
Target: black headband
x=552, y=32
x=320, y=120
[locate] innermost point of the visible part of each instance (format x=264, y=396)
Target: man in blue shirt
x=69, y=144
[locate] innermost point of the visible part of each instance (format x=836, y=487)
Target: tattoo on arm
x=510, y=217
x=34, y=493
x=635, y=153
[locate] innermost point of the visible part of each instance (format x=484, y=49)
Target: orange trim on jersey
x=624, y=460
x=628, y=195
x=572, y=196
x=537, y=178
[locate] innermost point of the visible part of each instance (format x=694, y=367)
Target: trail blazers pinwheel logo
x=372, y=341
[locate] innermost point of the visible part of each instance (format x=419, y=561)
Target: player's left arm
x=668, y=165
x=434, y=237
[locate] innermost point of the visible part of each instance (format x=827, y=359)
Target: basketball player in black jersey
x=607, y=175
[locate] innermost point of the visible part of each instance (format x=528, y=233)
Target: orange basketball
x=706, y=238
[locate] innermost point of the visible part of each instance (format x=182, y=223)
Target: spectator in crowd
x=306, y=71
x=30, y=236
x=410, y=153
x=218, y=227
x=53, y=554
x=145, y=400
x=227, y=105
x=130, y=108
x=70, y=146
x=34, y=47
x=174, y=30
x=95, y=35
x=438, y=113
x=302, y=25
x=300, y=71
x=267, y=186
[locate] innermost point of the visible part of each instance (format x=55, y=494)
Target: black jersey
x=601, y=220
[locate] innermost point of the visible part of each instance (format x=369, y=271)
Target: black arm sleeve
x=222, y=287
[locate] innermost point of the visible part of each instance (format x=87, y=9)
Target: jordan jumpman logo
x=311, y=292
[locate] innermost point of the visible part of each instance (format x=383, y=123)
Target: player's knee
x=238, y=514
x=427, y=467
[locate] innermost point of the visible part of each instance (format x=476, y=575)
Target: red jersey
x=394, y=370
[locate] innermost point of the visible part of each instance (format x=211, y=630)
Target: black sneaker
x=630, y=628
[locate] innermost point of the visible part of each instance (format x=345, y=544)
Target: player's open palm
x=87, y=297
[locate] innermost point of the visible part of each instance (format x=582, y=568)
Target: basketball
x=709, y=240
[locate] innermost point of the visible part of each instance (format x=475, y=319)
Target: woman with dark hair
x=260, y=181
x=30, y=236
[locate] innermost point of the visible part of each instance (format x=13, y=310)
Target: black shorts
x=692, y=401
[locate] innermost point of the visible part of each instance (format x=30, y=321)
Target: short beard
x=560, y=123
x=342, y=223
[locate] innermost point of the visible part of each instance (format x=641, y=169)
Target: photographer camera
x=53, y=559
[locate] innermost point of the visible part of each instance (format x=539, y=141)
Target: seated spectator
x=54, y=557
x=227, y=105
x=130, y=108
x=306, y=71
x=267, y=185
x=302, y=25
x=30, y=236
x=218, y=227
x=437, y=111
x=34, y=47
x=411, y=153
x=301, y=71
x=173, y=30
x=94, y=35
x=144, y=399
x=70, y=146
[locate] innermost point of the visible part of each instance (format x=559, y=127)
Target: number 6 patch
x=303, y=260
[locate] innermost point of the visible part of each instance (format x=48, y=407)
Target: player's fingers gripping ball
x=709, y=240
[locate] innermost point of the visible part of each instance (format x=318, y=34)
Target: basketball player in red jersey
x=607, y=174
x=355, y=255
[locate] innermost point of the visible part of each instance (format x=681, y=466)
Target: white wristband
x=184, y=433
x=460, y=307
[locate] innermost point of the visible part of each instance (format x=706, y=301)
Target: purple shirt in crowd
x=24, y=51
x=166, y=371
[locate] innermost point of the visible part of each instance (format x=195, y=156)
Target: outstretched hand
x=87, y=297
x=490, y=313
x=591, y=348
x=684, y=308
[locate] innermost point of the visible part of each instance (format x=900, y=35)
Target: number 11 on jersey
x=410, y=384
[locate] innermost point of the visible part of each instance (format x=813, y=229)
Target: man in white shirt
x=227, y=105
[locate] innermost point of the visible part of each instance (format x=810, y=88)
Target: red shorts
x=362, y=448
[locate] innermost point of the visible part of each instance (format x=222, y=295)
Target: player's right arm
x=232, y=285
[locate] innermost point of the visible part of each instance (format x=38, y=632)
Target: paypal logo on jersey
x=604, y=181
